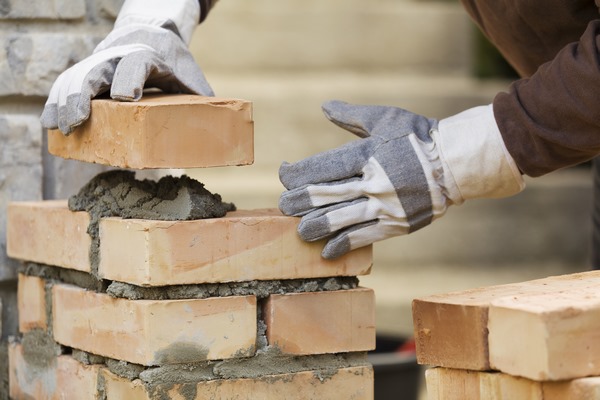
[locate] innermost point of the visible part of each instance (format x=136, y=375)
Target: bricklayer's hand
x=400, y=176
x=146, y=48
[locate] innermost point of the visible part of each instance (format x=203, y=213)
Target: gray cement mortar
x=117, y=193
x=260, y=289
x=269, y=362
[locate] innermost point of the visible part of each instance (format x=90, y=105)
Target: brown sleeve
x=552, y=120
x=205, y=7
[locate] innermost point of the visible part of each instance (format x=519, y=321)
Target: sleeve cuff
x=475, y=158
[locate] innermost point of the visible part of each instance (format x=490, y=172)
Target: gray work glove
x=400, y=176
x=146, y=48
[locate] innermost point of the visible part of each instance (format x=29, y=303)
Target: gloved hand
x=146, y=48
x=401, y=175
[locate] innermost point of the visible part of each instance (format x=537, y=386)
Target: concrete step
x=299, y=35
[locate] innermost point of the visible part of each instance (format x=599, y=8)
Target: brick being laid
x=321, y=322
x=154, y=332
x=452, y=329
x=244, y=245
x=162, y=131
x=459, y=384
x=344, y=383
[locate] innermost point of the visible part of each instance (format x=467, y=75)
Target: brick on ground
x=56, y=379
x=451, y=329
x=245, y=245
x=345, y=383
x=154, y=332
x=456, y=384
x=321, y=322
x=162, y=131
x=31, y=301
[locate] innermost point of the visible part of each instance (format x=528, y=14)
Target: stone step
x=299, y=35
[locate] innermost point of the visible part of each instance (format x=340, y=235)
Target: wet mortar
x=117, y=193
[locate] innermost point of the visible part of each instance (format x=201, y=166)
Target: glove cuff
x=180, y=15
x=475, y=160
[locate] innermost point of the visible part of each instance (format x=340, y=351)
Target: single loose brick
x=457, y=384
x=346, y=383
x=154, y=332
x=31, y=302
x=549, y=336
x=244, y=245
x=451, y=329
x=321, y=322
x=53, y=379
x=47, y=232
x=162, y=131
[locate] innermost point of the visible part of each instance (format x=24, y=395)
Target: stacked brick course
x=535, y=340
x=39, y=39
x=221, y=308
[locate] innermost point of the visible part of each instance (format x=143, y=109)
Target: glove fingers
x=348, y=116
x=301, y=200
x=49, y=117
x=75, y=108
x=68, y=102
x=191, y=78
x=133, y=71
x=333, y=165
x=353, y=238
x=382, y=121
x=325, y=222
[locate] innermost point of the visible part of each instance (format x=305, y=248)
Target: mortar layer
x=117, y=193
x=260, y=289
x=268, y=362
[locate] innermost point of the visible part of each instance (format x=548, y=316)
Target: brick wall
x=40, y=39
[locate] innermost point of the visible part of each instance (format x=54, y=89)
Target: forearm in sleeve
x=552, y=119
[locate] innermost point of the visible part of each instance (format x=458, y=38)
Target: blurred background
x=287, y=57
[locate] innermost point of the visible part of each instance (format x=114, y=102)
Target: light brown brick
x=244, y=245
x=549, y=336
x=31, y=302
x=321, y=322
x=154, y=332
x=354, y=383
x=61, y=378
x=47, y=232
x=456, y=384
x=162, y=131
x=451, y=329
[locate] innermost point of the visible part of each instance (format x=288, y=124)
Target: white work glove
x=399, y=177
x=148, y=47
